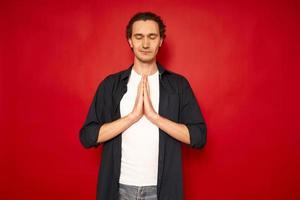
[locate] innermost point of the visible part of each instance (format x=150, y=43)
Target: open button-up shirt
x=176, y=102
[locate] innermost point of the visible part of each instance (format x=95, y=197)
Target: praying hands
x=143, y=105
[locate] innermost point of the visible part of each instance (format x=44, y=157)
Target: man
x=141, y=115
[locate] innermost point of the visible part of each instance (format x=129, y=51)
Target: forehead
x=145, y=27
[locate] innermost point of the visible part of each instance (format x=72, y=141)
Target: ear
x=161, y=41
x=130, y=42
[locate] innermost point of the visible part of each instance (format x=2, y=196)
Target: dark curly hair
x=146, y=16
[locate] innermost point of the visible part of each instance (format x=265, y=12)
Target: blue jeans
x=130, y=192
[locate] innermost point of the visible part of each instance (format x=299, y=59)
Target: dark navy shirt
x=176, y=102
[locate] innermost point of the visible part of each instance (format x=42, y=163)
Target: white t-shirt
x=140, y=142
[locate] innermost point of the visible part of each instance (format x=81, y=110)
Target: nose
x=145, y=43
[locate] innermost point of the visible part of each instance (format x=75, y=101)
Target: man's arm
x=191, y=129
x=175, y=130
x=110, y=130
x=95, y=132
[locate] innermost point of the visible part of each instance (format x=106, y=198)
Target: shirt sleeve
x=94, y=120
x=191, y=116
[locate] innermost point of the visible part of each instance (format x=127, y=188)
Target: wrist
x=132, y=118
x=154, y=118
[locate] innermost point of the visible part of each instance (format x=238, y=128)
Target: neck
x=145, y=68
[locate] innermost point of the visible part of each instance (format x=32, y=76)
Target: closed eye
x=153, y=37
x=138, y=36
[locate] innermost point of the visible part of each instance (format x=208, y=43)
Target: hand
x=137, y=111
x=148, y=108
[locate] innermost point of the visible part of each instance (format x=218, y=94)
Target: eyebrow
x=140, y=34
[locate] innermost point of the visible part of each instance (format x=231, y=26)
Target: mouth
x=145, y=52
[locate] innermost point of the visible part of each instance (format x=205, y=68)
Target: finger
x=140, y=90
x=145, y=78
x=144, y=83
x=141, y=83
x=147, y=86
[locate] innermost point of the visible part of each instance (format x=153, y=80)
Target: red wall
x=240, y=58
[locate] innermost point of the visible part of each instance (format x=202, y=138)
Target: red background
x=240, y=58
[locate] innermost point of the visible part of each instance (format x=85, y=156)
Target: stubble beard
x=145, y=59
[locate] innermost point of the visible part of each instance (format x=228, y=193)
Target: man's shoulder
x=112, y=77
x=174, y=75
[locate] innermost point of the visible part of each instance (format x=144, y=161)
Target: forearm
x=112, y=129
x=175, y=130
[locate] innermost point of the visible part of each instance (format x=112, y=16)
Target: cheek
x=155, y=44
x=138, y=45
x=135, y=43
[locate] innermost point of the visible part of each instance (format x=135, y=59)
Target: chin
x=146, y=59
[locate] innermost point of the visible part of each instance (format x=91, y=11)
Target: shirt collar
x=127, y=72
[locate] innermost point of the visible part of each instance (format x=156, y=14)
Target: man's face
x=145, y=40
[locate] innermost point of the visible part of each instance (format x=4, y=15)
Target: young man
x=141, y=115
